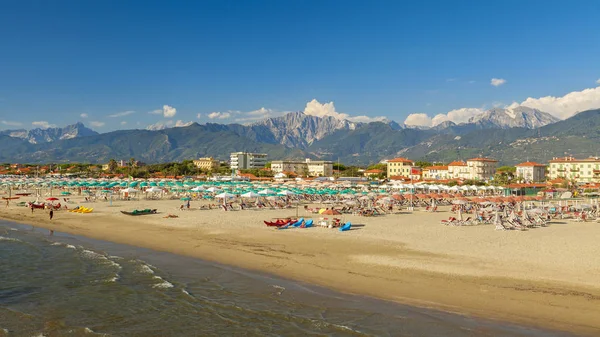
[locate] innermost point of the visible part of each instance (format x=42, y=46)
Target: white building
x=308, y=167
x=247, y=160
x=531, y=171
x=578, y=170
x=438, y=172
x=482, y=168
x=458, y=170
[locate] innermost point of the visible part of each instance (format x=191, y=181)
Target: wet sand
x=545, y=277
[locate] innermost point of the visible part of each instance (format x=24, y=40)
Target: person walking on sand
x=6, y=203
x=31, y=208
x=51, y=214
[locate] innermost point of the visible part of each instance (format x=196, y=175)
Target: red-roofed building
x=372, y=173
x=531, y=171
x=399, y=167
x=458, y=170
x=435, y=172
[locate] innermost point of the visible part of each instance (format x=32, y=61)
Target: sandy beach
x=546, y=277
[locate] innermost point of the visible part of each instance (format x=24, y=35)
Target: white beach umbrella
x=286, y=192
x=250, y=195
x=212, y=189
x=224, y=195
x=197, y=189
x=266, y=191
x=154, y=190
x=129, y=190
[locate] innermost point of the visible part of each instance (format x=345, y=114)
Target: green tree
x=112, y=166
x=423, y=164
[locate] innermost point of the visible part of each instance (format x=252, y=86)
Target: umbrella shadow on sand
x=356, y=227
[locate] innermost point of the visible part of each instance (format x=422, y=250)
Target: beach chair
x=308, y=224
x=298, y=223
x=346, y=227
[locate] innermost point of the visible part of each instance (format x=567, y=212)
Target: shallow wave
x=2, y=238
x=163, y=284
x=144, y=268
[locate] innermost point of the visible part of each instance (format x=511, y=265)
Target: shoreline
x=331, y=262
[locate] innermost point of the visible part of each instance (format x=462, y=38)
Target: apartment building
x=308, y=167
x=458, y=170
x=399, y=167
x=531, y=171
x=482, y=168
x=247, y=160
x=438, y=172
x=578, y=170
x=207, y=164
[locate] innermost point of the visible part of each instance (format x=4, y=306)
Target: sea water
x=64, y=285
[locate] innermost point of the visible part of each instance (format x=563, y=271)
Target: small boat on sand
x=146, y=211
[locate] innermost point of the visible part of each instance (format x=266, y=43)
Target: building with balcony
x=437, y=172
x=308, y=167
x=578, y=170
x=207, y=164
x=482, y=168
x=247, y=161
x=531, y=171
x=458, y=170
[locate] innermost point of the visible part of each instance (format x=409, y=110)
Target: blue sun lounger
x=346, y=227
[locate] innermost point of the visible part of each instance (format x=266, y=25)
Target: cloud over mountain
x=315, y=108
x=561, y=107
x=167, y=111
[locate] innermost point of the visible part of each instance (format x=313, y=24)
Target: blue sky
x=67, y=61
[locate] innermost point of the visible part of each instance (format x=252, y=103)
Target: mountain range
x=510, y=135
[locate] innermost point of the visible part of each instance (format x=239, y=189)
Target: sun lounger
x=346, y=227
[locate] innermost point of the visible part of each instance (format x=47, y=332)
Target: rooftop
x=530, y=164
x=573, y=159
x=457, y=163
x=436, y=167
x=400, y=160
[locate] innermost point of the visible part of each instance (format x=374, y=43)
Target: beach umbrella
x=129, y=190
x=266, y=191
x=52, y=199
x=250, y=195
x=286, y=192
x=154, y=190
x=186, y=199
x=224, y=195
x=330, y=211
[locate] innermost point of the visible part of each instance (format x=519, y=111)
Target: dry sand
x=547, y=277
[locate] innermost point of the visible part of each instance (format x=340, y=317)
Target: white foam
x=163, y=285
x=12, y=229
x=93, y=255
x=56, y=244
x=280, y=288
x=70, y=247
x=144, y=268
x=2, y=238
x=114, y=278
x=5, y=331
x=114, y=264
x=185, y=292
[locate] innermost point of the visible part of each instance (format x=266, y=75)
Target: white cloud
x=84, y=115
x=199, y=116
x=122, y=114
x=257, y=115
x=497, y=82
x=315, y=108
x=97, y=124
x=456, y=116
x=10, y=123
x=168, y=124
x=43, y=124
x=219, y=115
x=567, y=105
x=561, y=107
x=418, y=119
x=180, y=124
x=167, y=111
x=598, y=81
x=123, y=122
